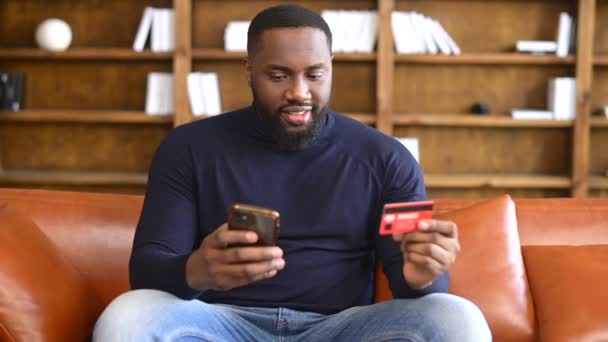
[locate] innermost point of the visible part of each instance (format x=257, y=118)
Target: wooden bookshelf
x=85, y=106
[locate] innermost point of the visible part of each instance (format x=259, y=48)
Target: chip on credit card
x=399, y=218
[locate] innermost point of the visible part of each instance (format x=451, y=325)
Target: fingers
x=224, y=237
x=429, y=254
x=238, y=255
x=428, y=263
x=235, y=275
x=447, y=228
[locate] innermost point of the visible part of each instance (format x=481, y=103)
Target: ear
x=247, y=66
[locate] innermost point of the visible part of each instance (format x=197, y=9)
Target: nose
x=298, y=91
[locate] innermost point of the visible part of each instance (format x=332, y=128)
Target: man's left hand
x=428, y=252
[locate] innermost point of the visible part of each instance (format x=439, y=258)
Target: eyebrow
x=286, y=69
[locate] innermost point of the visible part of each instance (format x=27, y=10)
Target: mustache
x=298, y=105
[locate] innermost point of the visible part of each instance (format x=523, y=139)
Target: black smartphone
x=264, y=221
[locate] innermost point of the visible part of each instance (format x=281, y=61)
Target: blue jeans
x=150, y=315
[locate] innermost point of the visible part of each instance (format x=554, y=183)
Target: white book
x=561, y=97
x=412, y=145
x=536, y=46
x=195, y=94
x=353, y=33
x=438, y=37
x=372, y=32
x=211, y=93
x=416, y=36
x=156, y=39
x=563, y=34
x=235, y=36
x=454, y=48
x=425, y=32
x=397, y=27
x=531, y=114
x=330, y=17
x=160, y=94
x=143, y=30
x=169, y=27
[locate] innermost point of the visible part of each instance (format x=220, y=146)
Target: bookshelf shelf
x=599, y=122
x=487, y=58
x=600, y=60
x=467, y=120
x=221, y=54
x=72, y=178
x=598, y=182
x=498, y=181
x=85, y=116
x=369, y=119
x=85, y=54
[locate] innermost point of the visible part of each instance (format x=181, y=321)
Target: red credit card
x=403, y=217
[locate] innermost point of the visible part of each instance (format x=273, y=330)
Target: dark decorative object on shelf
x=12, y=91
x=480, y=108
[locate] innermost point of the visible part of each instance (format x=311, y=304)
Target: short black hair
x=284, y=16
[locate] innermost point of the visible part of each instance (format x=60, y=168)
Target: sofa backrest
x=93, y=231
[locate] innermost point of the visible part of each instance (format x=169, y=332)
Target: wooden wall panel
x=491, y=193
x=86, y=84
x=599, y=151
x=599, y=93
x=353, y=88
x=602, y=193
x=211, y=17
x=600, y=42
x=423, y=88
x=94, y=23
x=79, y=147
x=450, y=150
x=493, y=26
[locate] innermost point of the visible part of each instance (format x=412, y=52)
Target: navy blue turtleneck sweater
x=329, y=195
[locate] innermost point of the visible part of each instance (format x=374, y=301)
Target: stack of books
x=161, y=23
x=12, y=91
x=561, y=102
x=204, y=93
x=564, y=44
x=414, y=33
x=352, y=31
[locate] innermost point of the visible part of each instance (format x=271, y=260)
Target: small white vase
x=54, y=34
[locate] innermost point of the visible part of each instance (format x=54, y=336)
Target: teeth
x=297, y=113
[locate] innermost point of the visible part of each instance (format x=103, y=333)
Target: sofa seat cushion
x=569, y=288
x=42, y=296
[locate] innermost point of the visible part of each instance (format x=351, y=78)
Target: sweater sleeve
x=167, y=231
x=404, y=182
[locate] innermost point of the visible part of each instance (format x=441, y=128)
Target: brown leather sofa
x=536, y=267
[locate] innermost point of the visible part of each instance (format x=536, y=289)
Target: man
x=328, y=176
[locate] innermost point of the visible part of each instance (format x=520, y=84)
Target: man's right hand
x=224, y=261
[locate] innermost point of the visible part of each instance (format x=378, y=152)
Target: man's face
x=290, y=77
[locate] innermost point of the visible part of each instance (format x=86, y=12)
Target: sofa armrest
x=42, y=296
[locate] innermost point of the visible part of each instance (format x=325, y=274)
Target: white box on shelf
x=412, y=145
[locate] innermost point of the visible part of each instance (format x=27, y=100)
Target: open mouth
x=296, y=116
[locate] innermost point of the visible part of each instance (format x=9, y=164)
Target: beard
x=282, y=136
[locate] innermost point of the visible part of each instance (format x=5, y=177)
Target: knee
x=129, y=311
x=458, y=318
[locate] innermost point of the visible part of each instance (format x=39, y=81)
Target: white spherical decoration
x=54, y=35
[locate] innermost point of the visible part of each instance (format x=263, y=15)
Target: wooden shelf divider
x=85, y=54
x=469, y=120
x=85, y=116
x=598, y=182
x=486, y=58
x=599, y=122
x=223, y=55
x=72, y=177
x=498, y=181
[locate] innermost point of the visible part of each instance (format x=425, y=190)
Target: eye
x=277, y=77
x=315, y=76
